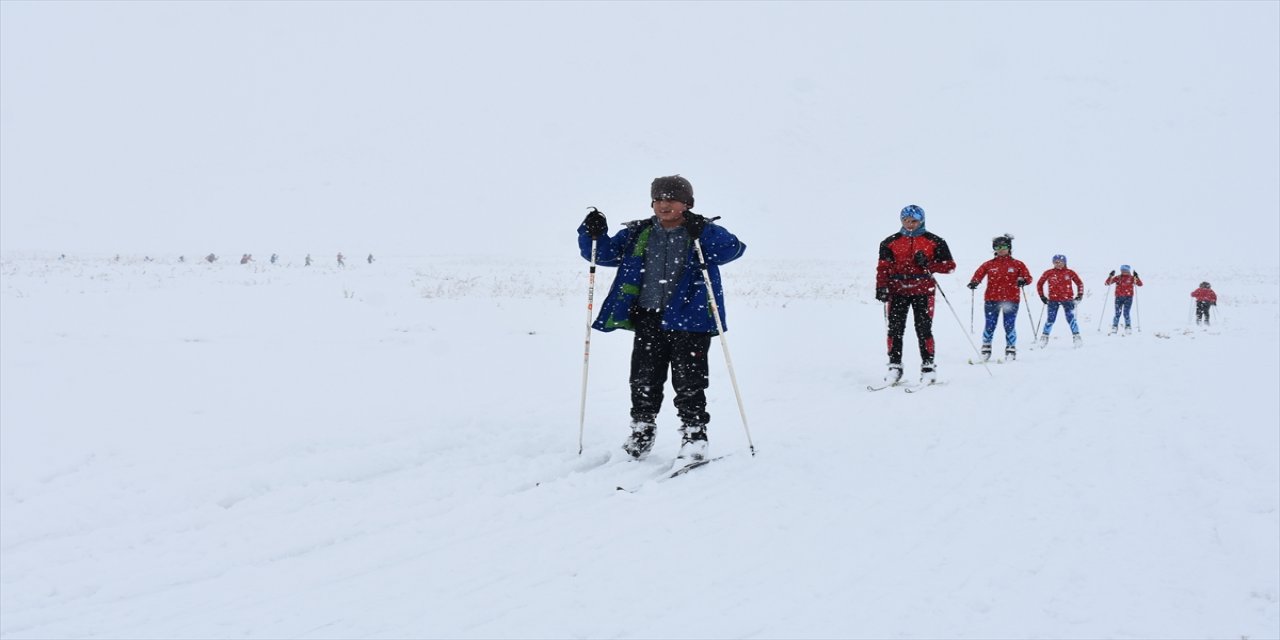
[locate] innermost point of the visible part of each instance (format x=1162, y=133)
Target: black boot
x=694, y=442
x=640, y=442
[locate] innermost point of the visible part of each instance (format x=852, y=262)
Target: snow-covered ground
x=390, y=450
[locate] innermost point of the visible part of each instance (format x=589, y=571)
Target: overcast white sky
x=1128, y=132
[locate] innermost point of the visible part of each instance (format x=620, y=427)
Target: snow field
x=389, y=450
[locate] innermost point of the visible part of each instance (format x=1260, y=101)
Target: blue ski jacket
x=687, y=310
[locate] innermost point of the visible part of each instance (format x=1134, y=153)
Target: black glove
x=596, y=225
x=1135, y=275
x=1080, y=296
x=922, y=260
x=1213, y=304
x=1044, y=300
x=694, y=224
x=882, y=294
x=973, y=285
x=1112, y=274
x=1022, y=282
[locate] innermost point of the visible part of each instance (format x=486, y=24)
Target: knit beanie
x=672, y=188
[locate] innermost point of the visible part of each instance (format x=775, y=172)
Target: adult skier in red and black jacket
x=904, y=280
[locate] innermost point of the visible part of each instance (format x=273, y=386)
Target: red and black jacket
x=897, y=270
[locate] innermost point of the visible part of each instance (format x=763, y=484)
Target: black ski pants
x=656, y=350
x=1202, y=312
x=922, y=307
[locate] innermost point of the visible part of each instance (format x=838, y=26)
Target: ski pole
x=1043, y=308
x=972, y=292
x=1137, y=310
x=1104, y=308
x=968, y=337
x=724, y=344
x=586, y=351
x=1031, y=320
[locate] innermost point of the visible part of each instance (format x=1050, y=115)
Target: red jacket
x=1002, y=278
x=1202, y=294
x=1060, y=284
x=897, y=270
x=1124, y=284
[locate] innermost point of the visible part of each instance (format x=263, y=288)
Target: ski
x=674, y=471
x=996, y=361
x=693, y=465
x=872, y=387
x=913, y=388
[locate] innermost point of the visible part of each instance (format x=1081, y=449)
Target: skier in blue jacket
x=659, y=294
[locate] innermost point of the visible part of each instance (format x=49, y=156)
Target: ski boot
x=1114, y=328
x=641, y=440
x=1076, y=340
x=986, y=351
x=693, y=446
x=1128, y=330
x=1044, y=340
x=928, y=373
x=894, y=374
x=1010, y=354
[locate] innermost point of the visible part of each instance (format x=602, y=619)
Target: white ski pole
x=1104, y=308
x=972, y=294
x=968, y=337
x=1043, y=308
x=724, y=344
x=586, y=351
x=1137, y=310
x=1031, y=320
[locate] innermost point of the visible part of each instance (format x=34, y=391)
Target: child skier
x=1125, y=283
x=1004, y=275
x=1060, y=279
x=1205, y=298
x=660, y=294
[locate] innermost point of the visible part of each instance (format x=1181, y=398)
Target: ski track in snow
x=390, y=450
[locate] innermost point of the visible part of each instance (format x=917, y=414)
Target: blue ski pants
x=1068, y=307
x=1123, y=304
x=993, y=311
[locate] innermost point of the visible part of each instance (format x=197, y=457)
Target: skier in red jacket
x=904, y=281
x=1061, y=294
x=1124, y=282
x=1004, y=274
x=1205, y=298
